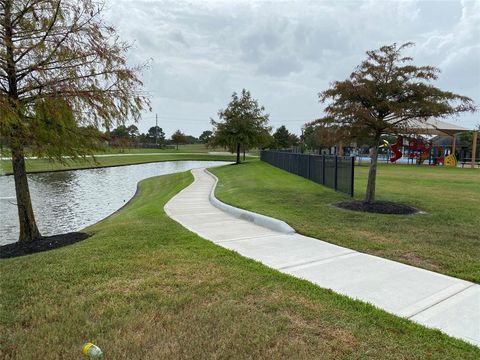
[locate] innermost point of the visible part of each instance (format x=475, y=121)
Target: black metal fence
x=336, y=172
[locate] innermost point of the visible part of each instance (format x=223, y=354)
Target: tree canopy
x=384, y=94
x=62, y=68
x=320, y=134
x=284, y=138
x=242, y=125
x=179, y=137
x=205, y=136
x=155, y=134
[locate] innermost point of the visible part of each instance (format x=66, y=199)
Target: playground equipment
x=450, y=160
x=397, y=149
x=419, y=151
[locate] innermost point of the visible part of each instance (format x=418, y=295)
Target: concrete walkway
x=434, y=300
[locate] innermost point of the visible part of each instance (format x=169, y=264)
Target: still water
x=68, y=201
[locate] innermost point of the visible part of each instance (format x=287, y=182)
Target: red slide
x=397, y=154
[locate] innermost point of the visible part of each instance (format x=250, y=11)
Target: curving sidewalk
x=434, y=300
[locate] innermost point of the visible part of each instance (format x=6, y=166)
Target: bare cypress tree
x=387, y=94
x=62, y=72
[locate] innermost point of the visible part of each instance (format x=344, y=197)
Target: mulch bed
x=44, y=244
x=379, y=207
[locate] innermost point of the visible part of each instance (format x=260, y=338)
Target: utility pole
x=156, y=129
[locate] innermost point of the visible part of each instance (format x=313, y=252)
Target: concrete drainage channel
x=261, y=220
x=434, y=300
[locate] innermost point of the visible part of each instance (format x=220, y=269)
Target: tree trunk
x=372, y=173
x=243, y=154
x=238, y=153
x=28, y=228
x=177, y=146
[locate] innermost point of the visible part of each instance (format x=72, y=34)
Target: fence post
x=308, y=171
x=352, y=175
x=323, y=169
x=336, y=173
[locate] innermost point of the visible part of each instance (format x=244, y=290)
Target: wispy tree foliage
x=243, y=125
x=62, y=68
x=387, y=94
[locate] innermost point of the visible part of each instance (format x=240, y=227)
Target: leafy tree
x=284, y=139
x=133, y=132
x=321, y=134
x=387, y=94
x=294, y=139
x=190, y=139
x=205, y=136
x=120, y=132
x=308, y=138
x=467, y=138
x=120, y=137
x=156, y=134
x=179, y=137
x=61, y=67
x=244, y=124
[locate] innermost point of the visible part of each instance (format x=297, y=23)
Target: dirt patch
x=380, y=207
x=416, y=260
x=44, y=244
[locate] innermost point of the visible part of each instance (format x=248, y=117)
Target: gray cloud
x=285, y=51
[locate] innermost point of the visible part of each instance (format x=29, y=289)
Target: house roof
x=435, y=127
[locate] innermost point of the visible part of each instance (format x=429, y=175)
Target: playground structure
x=418, y=146
x=418, y=150
x=421, y=151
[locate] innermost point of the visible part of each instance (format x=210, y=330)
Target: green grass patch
x=446, y=239
x=194, y=148
x=190, y=148
x=143, y=287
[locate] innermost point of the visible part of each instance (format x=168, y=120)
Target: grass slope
x=446, y=239
x=143, y=287
x=41, y=165
x=186, y=148
x=195, y=148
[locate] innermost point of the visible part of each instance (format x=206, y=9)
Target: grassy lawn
x=187, y=148
x=143, y=287
x=191, y=148
x=446, y=239
x=39, y=165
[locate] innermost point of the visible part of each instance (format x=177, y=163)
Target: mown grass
x=41, y=165
x=191, y=148
x=446, y=239
x=143, y=287
x=194, y=148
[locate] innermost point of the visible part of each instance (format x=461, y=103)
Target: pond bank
x=68, y=201
x=104, y=161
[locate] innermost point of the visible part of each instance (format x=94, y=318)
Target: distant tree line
x=129, y=136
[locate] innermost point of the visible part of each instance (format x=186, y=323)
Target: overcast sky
x=285, y=52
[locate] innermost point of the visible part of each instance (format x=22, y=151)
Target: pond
x=67, y=201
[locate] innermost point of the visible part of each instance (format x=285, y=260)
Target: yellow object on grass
x=450, y=160
x=92, y=350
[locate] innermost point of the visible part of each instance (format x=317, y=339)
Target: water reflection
x=71, y=200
